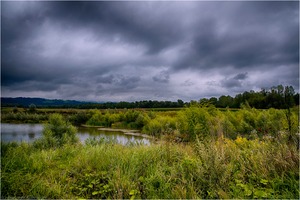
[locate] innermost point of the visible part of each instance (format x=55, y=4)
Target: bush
x=32, y=108
x=96, y=119
x=194, y=121
x=160, y=126
x=80, y=118
x=56, y=133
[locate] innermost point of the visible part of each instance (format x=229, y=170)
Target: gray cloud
x=162, y=77
x=241, y=76
x=116, y=50
x=127, y=82
x=235, y=81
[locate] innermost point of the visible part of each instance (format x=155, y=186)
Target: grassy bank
x=209, y=169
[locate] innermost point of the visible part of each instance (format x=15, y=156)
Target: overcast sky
x=129, y=51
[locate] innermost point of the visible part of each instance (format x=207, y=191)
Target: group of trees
x=279, y=97
x=137, y=104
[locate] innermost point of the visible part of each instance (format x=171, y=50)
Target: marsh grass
x=220, y=168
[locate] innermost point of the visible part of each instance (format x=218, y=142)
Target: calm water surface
x=31, y=132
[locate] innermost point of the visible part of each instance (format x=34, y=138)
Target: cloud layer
x=127, y=51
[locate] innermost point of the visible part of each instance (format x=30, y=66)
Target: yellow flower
x=241, y=141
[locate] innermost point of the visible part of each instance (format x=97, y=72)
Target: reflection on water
x=20, y=132
x=31, y=135
x=31, y=132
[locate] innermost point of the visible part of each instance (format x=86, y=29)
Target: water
x=31, y=132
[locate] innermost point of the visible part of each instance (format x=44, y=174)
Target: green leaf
x=95, y=193
x=247, y=190
x=132, y=192
x=141, y=179
x=260, y=193
x=264, y=181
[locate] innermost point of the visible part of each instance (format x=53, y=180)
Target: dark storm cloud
x=240, y=76
x=162, y=77
x=106, y=79
x=235, y=81
x=132, y=21
x=126, y=82
x=130, y=50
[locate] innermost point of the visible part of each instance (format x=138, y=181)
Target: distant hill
x=39, y=102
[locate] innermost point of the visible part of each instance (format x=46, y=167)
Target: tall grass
x=220, y=168
x=24, y=117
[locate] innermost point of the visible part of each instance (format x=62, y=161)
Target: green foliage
x=57, y=132
x=80, y=118
x=91, y=185
x=222, y=168
x=96, y=119
x=160, y=126
x=24, y=117
x=194, y=121
x=32, y=108
x=94, y=141
x=131, y=119
x=142, y=120
x=242, y=154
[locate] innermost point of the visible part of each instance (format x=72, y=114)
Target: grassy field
x=200, y=152
x=205, y=169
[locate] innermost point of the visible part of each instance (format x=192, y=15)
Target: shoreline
x=126, y=132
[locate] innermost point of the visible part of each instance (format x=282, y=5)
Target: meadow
x=198, y=152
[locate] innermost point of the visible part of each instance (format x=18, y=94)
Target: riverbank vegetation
x=222, y=168
x=200, y=152
x=185, y=124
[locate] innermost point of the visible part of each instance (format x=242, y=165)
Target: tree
x=204, y=101
x=288, y=96
x=213, y=101
x=180, y=103
x=32, y=108
x=225, y=101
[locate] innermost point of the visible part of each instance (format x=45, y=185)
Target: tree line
x=279, y=97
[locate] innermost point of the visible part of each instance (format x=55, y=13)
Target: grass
x=224, y=168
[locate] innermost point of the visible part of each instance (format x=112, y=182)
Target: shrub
x=194, y=121
x=32, y=108
x=160, y=126
x=57, y=132
x=80, y=118
x=96, y=119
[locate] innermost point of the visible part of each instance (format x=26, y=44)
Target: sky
x=131, y=51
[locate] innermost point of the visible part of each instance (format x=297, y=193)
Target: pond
x=30, y=132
